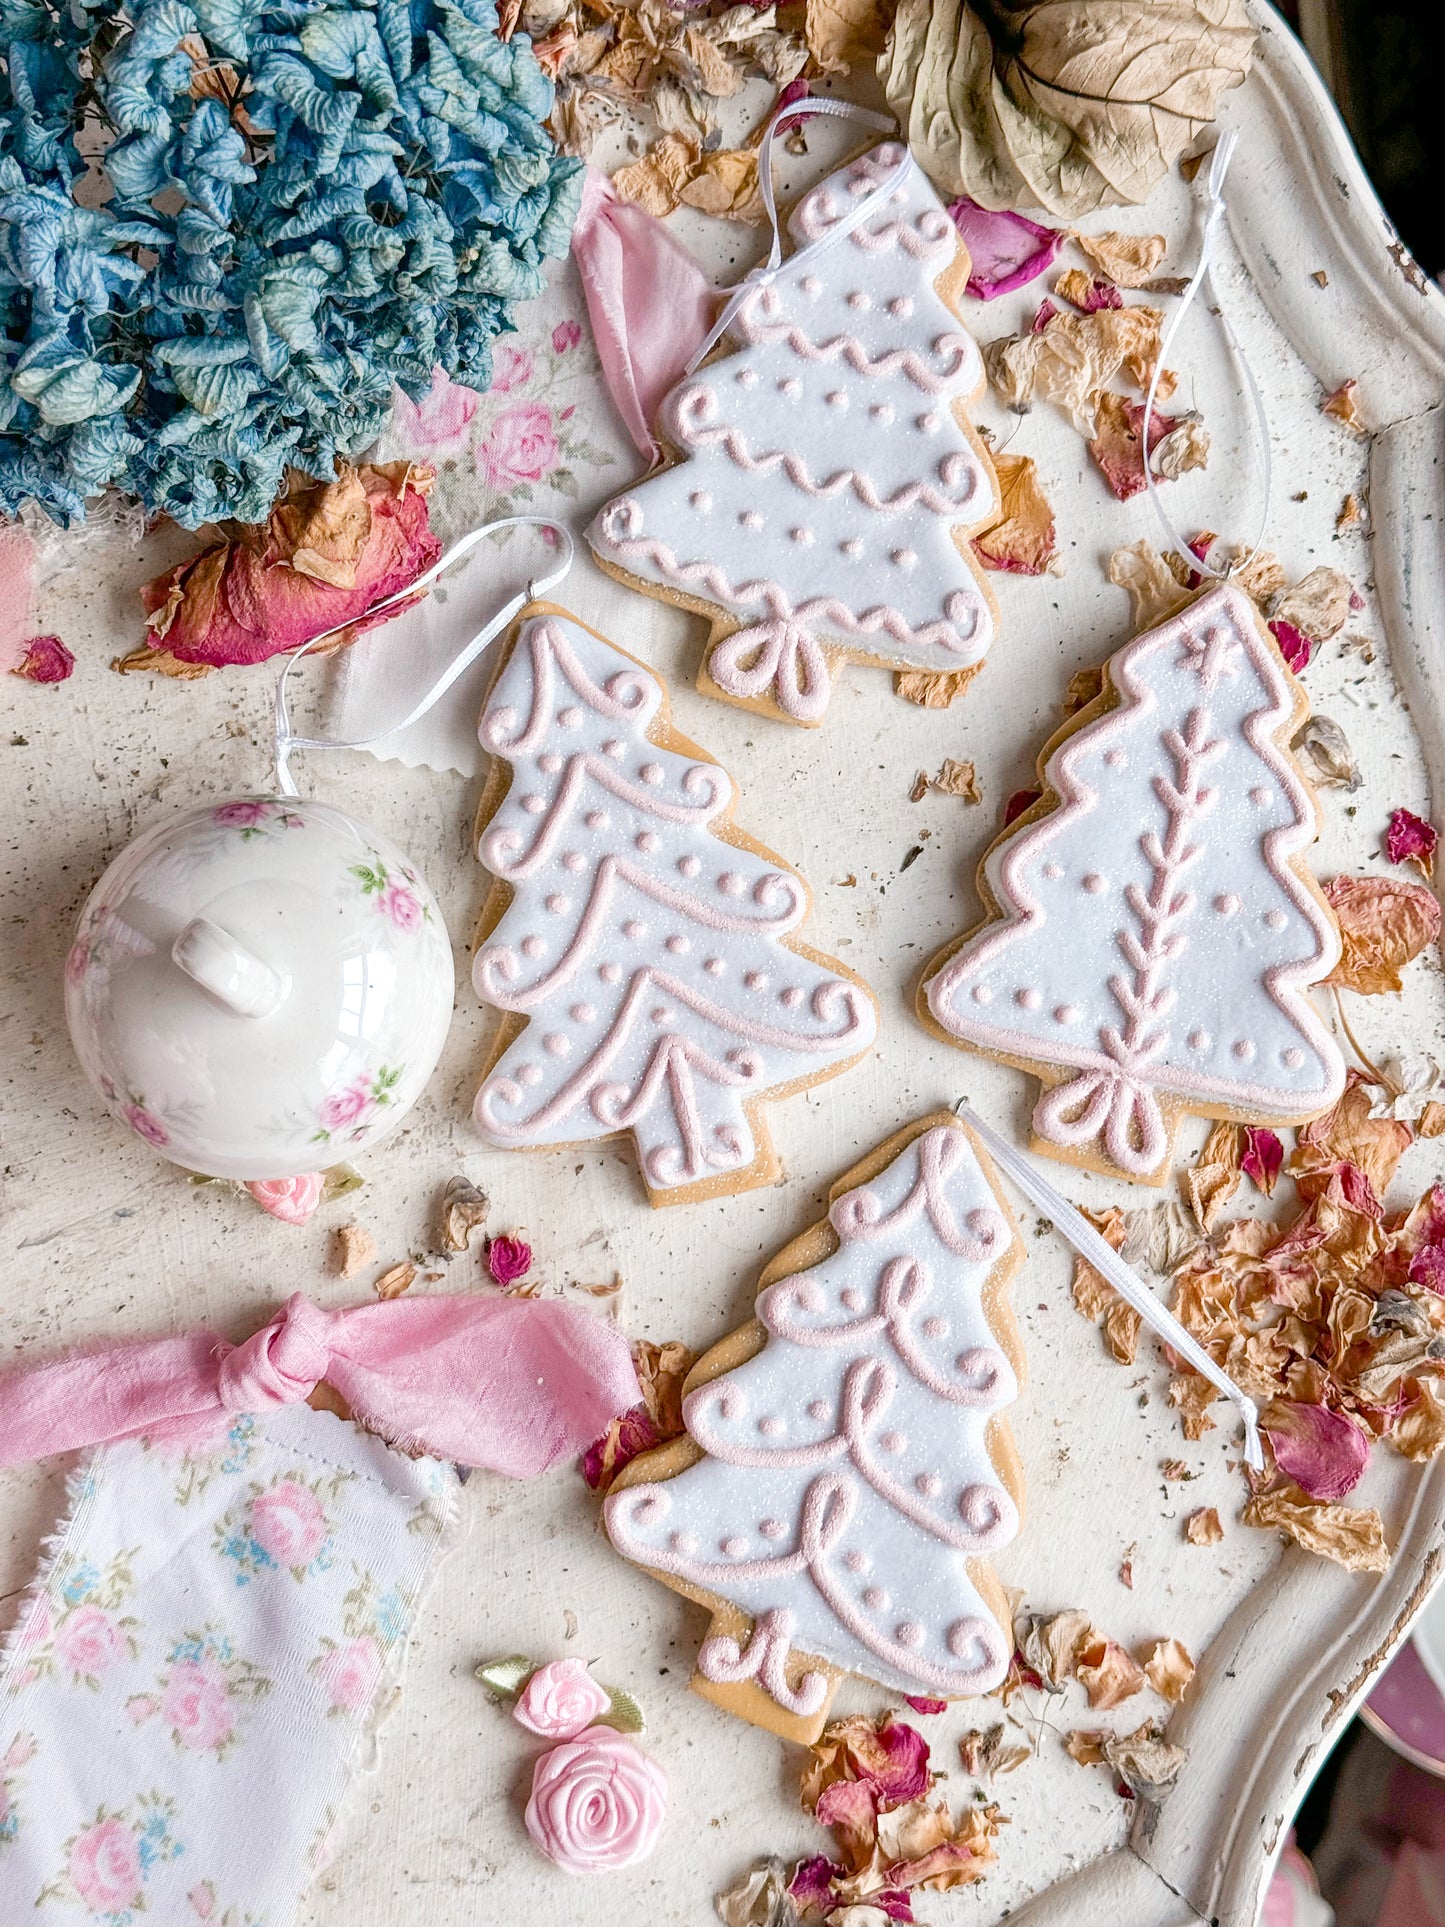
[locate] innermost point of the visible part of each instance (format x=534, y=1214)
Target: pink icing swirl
x=560, y=1700
x=598, y=1803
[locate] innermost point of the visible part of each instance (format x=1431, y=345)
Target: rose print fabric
x=545, y=439
x=180, y=1696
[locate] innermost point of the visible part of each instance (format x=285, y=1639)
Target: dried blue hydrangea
x=227, y=228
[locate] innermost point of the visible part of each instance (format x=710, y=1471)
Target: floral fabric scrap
x=186, y=1678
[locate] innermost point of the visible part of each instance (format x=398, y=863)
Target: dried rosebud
x=1410, y=839
x=1294, y=645
x=46, y=659
x=508, y=1259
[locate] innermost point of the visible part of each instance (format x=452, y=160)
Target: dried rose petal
x=46, y=659
x=508, y=1259
x=1006, y=250
x=1021, y=539
x=926, y=1706
x=1410, y=839
x=1046, y=312
x=1324, y=1452
x=623, y=1441
x=1294, y=645
x=1263, y=1158
x=1423, y=1238
x=1354, y=1536
x=1118, y=444
x=1202, y=1527
x=1384, y=924
x=1087, y=292
x=1169, y=1669
x=811, y=1884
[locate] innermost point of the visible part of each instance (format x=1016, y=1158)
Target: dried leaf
x=1108, y=1674
x=842, y=32
x=1343, y=404
x=1022, y=540
x=986, y=1753
x=1384, y=924
x=1128, y=260
x=1326, y=753
x=1060, y=109
x=463, y=1210
x=1353, y=1536
x=1319, y=604
x=1202, y=1527
x=352, y=1249
x=395, y=1280
x=1215, y=1178
x=1154, y=593
x=958, y=779
x=1168, y=1669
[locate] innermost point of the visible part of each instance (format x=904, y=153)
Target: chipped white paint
x=105, y=1239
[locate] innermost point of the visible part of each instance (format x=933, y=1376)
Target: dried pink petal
x=1263, y=1158
x=1324, y=1452
x=1006, y=250
x=926, y=1706
x=1294, y=645
x=1088, y=292
x=1422, y=1238
x=1046, y=313
x=1118, y=444
x=1410, y=839
x=622, y=1442
x=811, y=1884
x=46, y=659
x=508, y=1259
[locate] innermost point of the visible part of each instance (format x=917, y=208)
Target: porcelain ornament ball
x=260, y=988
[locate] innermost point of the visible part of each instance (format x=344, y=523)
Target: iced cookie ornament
x=848, y=1468
x=640, y=945
x=826, y=477
x=262, y=986
x=1152, y=932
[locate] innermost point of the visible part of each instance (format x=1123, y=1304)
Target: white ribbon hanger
x=1077, y=1230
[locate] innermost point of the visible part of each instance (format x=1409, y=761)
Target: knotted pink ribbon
x=511, y=1384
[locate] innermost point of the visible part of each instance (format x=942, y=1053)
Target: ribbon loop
x=282, y=1364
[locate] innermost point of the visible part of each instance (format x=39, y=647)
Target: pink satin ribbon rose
x=598, y=1803
x=560, y=1700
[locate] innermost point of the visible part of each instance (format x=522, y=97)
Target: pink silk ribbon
x=649, y=303
x=509, y=1384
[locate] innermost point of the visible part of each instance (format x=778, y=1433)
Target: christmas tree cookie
x=641, y=946
x=825, y=477
x=1152, y=931
x=847, y=1467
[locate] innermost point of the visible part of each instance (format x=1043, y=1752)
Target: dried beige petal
x=1121, y=1331
x=1073, y=359
x=1142, y=572
x=933, y=688
x=462, y=1211
x=1144, y=1760
x=1192, y=1396
x=1202, y=1528
x=759, y=1899
x=1385, y=923
x=1128, y=260
x=656, y=181
x=726, y=186
x=841, y=32
x=1325, y=751
x=1419, y=1432
x=1353, y=1536
x=1168, y=1669
x=1050, y=1646
x=352, y=1249
x=1086, y=1746
x=395, y=1280
x=987, y=1752
x=1348, y=1134
x=1319, y=604
x=920, y=787
x=958, y=779
x=1350, y=514
x=1216, y=1176
x=661, y=1370
x=1108, y=1674
x=1160, y=1236
x=1186, y=446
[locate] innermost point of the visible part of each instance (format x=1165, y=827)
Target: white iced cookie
x=1152, y=932
x=643, y=947
x=846, y=1470
x=829, y=477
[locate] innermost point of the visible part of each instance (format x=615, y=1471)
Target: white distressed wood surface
x=107, y=1240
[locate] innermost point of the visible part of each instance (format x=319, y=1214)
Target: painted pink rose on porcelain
x=288, y=1523
x=565, y=336
x=512, y=368
x=398, y=903
x=440, y=420
x=243, y=814
x=347, y=1106
x=292, y=1200
x=146, y=1125
x=598, y=1802
x=196, y=1705
x=89, y=1641
x=104, y=1867
x=76, y=962
x=350, y=1673
x=560, y=1699
x=520, y=445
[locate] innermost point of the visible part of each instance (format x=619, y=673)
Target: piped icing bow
x=508, y=1384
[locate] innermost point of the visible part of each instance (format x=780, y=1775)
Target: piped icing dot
x=803, y=537
x=755, y=979
x=904, y=558
x=688, y=866
x=533, y=946
x=1294, y=1057
x=746, y=378
x=837, y=398
x=1243, y=1049
x=1095, y=884
x=881, y=411
x=935, y=1327
x=900, y=307
x=596, y=819
x=651, y=773
x=555, y=1044
x=908, y=1633
x=634, y=928
x=1259, y=796
x=770, y=1425
x=1226, y=903
x=549, y=762
x=700, y=500
x=792, y=996
x=573, y=860
x=790, y=386
x=892, y=1441
x=860, y=300
x=982, y=994
x=557, y=903
x=1066, y=1013
x=610, y=973
x=810, y=284
x=1115, y=758
x=731, y=884
x=850, y=545
x=582, y=1013
x=1053, y=871
x=1027, y=998
x=678, y=944
x=875, y=1599
x=660, y=1014
x=570, y=717
x=750, y=519
x=682, y=1541
x=529, y=1073
x=929, y=1484
x=1199, y=1040
x=857, y=1561
x=714, y=966
x=534, y=804
x=614, y=747
x=1275, y=919
x=851, y=1297
x=646, y=840
x=927, y=423
x=735, y=1545
x=773, y=1529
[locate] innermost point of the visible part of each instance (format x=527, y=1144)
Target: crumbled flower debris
x=1203, y=1528
x=353, y=1248
x=1342, y=404
x=661, y=1371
